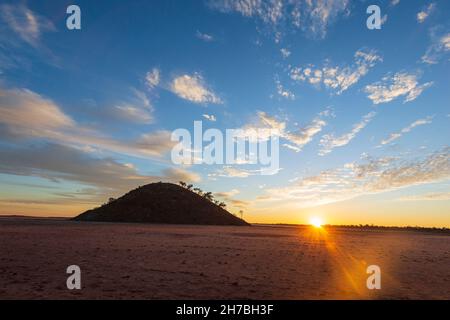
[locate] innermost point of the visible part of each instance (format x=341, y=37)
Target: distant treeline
x=385, y=228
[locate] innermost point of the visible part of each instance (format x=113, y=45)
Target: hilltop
x=163, y=203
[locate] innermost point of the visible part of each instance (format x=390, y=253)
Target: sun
x=316, y=222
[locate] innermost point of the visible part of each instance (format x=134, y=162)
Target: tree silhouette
x=208, y=195
x=189, y=187
x=198, y=190
x=182, y=183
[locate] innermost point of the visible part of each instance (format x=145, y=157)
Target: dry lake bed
x=142, y=261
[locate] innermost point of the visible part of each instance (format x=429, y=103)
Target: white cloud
x=232, y=172
x=312, y=17
x=267, y=126
x=329, y=141
x=392, y=87
x=439, y=47
x=335, y=77
x=395, y=2
x=153, y=78
x=194, y=89
x=210, y=117
x=28, y=25
x=425, y=13
x=397, y=135
x=371, y=177
x=283, y=92
x=204, y=36
x=285, y=53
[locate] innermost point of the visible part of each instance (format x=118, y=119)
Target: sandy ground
x=135, y=261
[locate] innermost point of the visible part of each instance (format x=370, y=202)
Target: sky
x=362, y=115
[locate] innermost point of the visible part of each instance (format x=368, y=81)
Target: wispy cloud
x=233, y=172
x=296, y=139
x=285, y=53
x=58, y=162
x=210, y=117
x=204, y=36
x=392, y=87
x=193, y=88
x=312, y=17
x=425, y=13
x=27, y=115
x=371, y=177
x=28, y=25
x=152, y=78
x=136, y=109
x=431, y=196
x=329, y=141
x=397, y=135
x=283, y=92
x=335, y=77
x=440, y=45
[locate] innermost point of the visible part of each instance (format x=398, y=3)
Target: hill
x=162, y=203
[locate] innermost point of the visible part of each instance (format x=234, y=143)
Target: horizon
x=361, y=122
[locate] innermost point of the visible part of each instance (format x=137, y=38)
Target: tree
x=241, y=214
x=222, y=205
x=209, y=196
x=111, y=200
x=182, y=183
x=199, y=191
x=189, y=187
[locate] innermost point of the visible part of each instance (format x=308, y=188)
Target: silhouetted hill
x=162, y=203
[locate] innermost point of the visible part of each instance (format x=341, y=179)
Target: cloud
x=194, y=89
x=283, y=92
x=267, y=126
x=329, y=141
x=227, y=194
x=178, y=174
x=424, y=14
x=395, y=2
x=27, y=115
x=312, y=17
x=335, y=77
x=432, y=196
x=392, y=87
x=137, y=109
x=210, y=117
x=306, y=134
x=204, y=36
x=232, y=172
x=228, y=198
x=438, y=48
x=371, y=177
x=28, y=25
x=57, y=162
x=285, y=53
x=26, y=112
x=152, y=78
x=397, y=135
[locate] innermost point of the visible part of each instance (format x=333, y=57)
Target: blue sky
x=363, y=115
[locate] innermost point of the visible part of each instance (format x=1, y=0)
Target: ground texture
x=138, y=261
